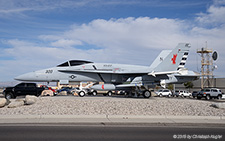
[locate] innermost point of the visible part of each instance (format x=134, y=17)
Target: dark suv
x=22, y=89
x=209, y=93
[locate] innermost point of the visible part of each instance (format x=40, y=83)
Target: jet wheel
x=147, y=94
x=81, y=94
x=94, y=93
x=109, y=93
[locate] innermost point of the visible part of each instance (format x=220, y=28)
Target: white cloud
x=215, y=14
x=142, y=32
x=66, y=43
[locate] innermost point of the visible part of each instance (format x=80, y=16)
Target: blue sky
x=36, y=34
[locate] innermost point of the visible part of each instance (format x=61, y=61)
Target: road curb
x=112, y=119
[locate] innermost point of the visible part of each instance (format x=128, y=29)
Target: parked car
x=22, y=89
x=223, y=96
x=182, y=93
x=49, y=88
x=209, y=93
x=195, y=93
x=164, y=92
x=176, y=93
x=67, y=89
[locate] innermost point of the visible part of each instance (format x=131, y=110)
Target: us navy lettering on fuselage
x=106, y=65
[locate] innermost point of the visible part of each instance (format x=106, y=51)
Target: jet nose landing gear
x=147, y=94
x=141, y=90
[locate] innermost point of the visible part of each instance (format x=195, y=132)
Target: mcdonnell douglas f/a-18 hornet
x=168, y=67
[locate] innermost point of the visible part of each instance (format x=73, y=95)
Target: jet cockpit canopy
x=73, y=63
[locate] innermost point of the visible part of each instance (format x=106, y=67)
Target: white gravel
x=72, y=105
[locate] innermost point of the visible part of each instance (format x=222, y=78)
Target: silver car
x=209, y=93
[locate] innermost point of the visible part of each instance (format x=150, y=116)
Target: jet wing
x=153, y=73
x=135, y=72
x=105, y=71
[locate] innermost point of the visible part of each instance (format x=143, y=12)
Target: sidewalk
x=110, y=119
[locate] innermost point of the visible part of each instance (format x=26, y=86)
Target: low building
x=217, y=83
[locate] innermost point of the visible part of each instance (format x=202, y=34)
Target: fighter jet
x=168, y=65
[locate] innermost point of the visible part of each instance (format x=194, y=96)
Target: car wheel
x=219, y=96
x=147, y=94
x=94, y=93
x=207, y=97
x=81, y=93
x=160, y=95
x=9, y=96
x=109, y=93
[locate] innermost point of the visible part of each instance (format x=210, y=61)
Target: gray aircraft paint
x=115, y=73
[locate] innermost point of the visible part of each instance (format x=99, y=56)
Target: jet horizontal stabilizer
x=128, y=85
x=161, y=73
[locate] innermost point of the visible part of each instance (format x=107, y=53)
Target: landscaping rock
x=219, y=105
x=116, y=105
x=3, y=102
x=30, y=99
x=62, y=93
x=16, y=103
x=47, y=93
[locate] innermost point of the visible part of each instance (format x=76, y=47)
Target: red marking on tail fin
x=174, y=58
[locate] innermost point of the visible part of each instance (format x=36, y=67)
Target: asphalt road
x=62, y=132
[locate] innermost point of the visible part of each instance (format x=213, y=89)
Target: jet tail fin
x=175, y=60
x=163, y=54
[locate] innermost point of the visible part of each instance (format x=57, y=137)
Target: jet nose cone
x=20, y=77
x=26, y=77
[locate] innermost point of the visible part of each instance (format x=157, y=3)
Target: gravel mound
x=71, y=105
